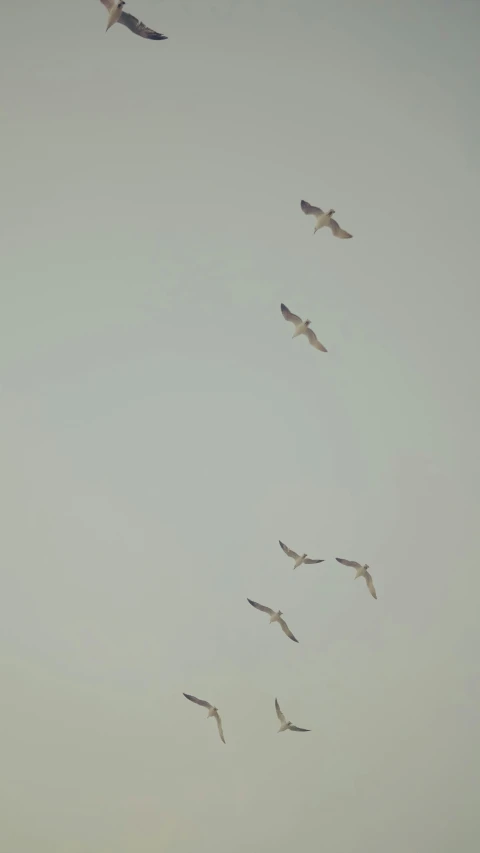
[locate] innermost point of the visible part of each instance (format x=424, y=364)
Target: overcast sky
x=160, y=430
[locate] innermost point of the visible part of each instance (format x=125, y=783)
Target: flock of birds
x=276, y=616
x=323, y=219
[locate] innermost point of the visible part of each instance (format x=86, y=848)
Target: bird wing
x=296, y=729
x=309, y=208
x=280, y=716
x=286, y=630
x=198, y=701
x=109, y=4
x=314, y=340
x=288, y=552
x=138, y=27
x=370, y=585
x=292, y=318
x=219, y=724
x=309, y=562
x=261, y=607
x=337, y=231
x=351, y=563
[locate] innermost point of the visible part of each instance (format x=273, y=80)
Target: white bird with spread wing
x=284, y=724
x=212, y=712
x=302, y=327
x=362, y=572
x=275, y=616
x=324, y=219
x=299, y=558
x=116, y=15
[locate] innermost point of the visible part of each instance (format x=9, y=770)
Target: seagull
x=362, y=571
x=324, y=219
x=117, y=15
x=212, y=712
x=284, y=726
x=299, y=559
x=274, y=617
x=302, y=328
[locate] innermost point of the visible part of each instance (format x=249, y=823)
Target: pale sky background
x=161, y=431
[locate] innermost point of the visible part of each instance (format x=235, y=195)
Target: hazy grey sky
x=161, y=431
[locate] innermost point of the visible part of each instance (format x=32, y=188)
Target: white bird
x=212, y=712
x=324, y=219
x=117, y=15
x=284, y=725
x=275, y=616
x=299, y=559
x=362, y=572
x=302, y=328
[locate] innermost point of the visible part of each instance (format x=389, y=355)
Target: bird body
x=115, y=13
x=275, y=617
x=301, y=328
x=323, y=219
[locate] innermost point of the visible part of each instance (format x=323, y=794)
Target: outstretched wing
x=314, y=340
x=288, y=552
x=352, y=563
x=286, y=630
x=296, y=729
x=370, y=585
x=261, y=607
x=337, y=231
x=280, y=716
x=309, y=208
x=292, y=318
x=219, y=724
x=197, y=701
x=309, y=562
x=138, y=27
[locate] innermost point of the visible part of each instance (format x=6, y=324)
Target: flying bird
x=323, y=219
x=284, y=725
x=299, y=559
x=117, y=15
x=212, y=712
x=302, y=328
x=274, y=617
x=362, y=571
